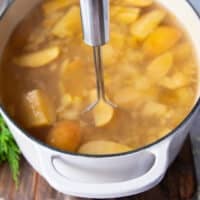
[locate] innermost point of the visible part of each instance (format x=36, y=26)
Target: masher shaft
x=95, y=21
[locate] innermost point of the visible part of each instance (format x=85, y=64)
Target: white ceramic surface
x=111, y=176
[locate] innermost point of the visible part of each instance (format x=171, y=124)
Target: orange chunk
x=65, y=135
x=161, y=40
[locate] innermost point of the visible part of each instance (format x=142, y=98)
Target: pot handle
x=110, y=190
x=4, y=5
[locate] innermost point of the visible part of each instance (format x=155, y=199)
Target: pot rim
x=187, y=118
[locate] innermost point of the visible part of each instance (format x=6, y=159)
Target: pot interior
x=191, y=23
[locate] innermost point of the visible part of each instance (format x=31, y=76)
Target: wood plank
x=27, y=183
x=44, y=191
x=5, y=182
x=25, y=190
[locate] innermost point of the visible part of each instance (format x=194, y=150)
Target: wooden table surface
x=178, y=184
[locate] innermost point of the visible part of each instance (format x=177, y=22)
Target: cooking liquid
x=155, y=108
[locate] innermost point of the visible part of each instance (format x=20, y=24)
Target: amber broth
x=156, y=107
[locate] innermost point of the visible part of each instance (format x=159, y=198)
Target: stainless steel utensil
x=95, y=25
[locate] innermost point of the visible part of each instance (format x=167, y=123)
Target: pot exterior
x=101, y=177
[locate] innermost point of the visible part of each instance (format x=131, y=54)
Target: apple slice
x=102, y=113
x=138, y=3
x=147, y=23
x=39, y=58
x=102, y=147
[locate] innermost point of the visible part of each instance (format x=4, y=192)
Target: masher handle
x=95, y=21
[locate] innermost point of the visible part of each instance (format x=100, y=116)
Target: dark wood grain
x=178, y=184
x=45, y=192
x=5, y=182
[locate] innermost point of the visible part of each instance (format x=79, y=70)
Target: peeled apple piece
x=160, y=66
x=109, y=54
x=54, y=5
x=115, y=10
x=153, y=108
x=102, y=147
x=37, y=109
x=182, y=52
x=116, y=40
x=138, y=3
x=102, y=113
x=184, y=95
x=175, y=81
x=127, y=97
x=127, y=15
x=69, y=24
x=161, y=40
x=70, y=72
x=147, y=23
x=38, y=58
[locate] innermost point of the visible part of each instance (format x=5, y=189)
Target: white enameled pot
x=103, y=176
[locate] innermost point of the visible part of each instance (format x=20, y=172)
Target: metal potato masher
x=95, y=25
